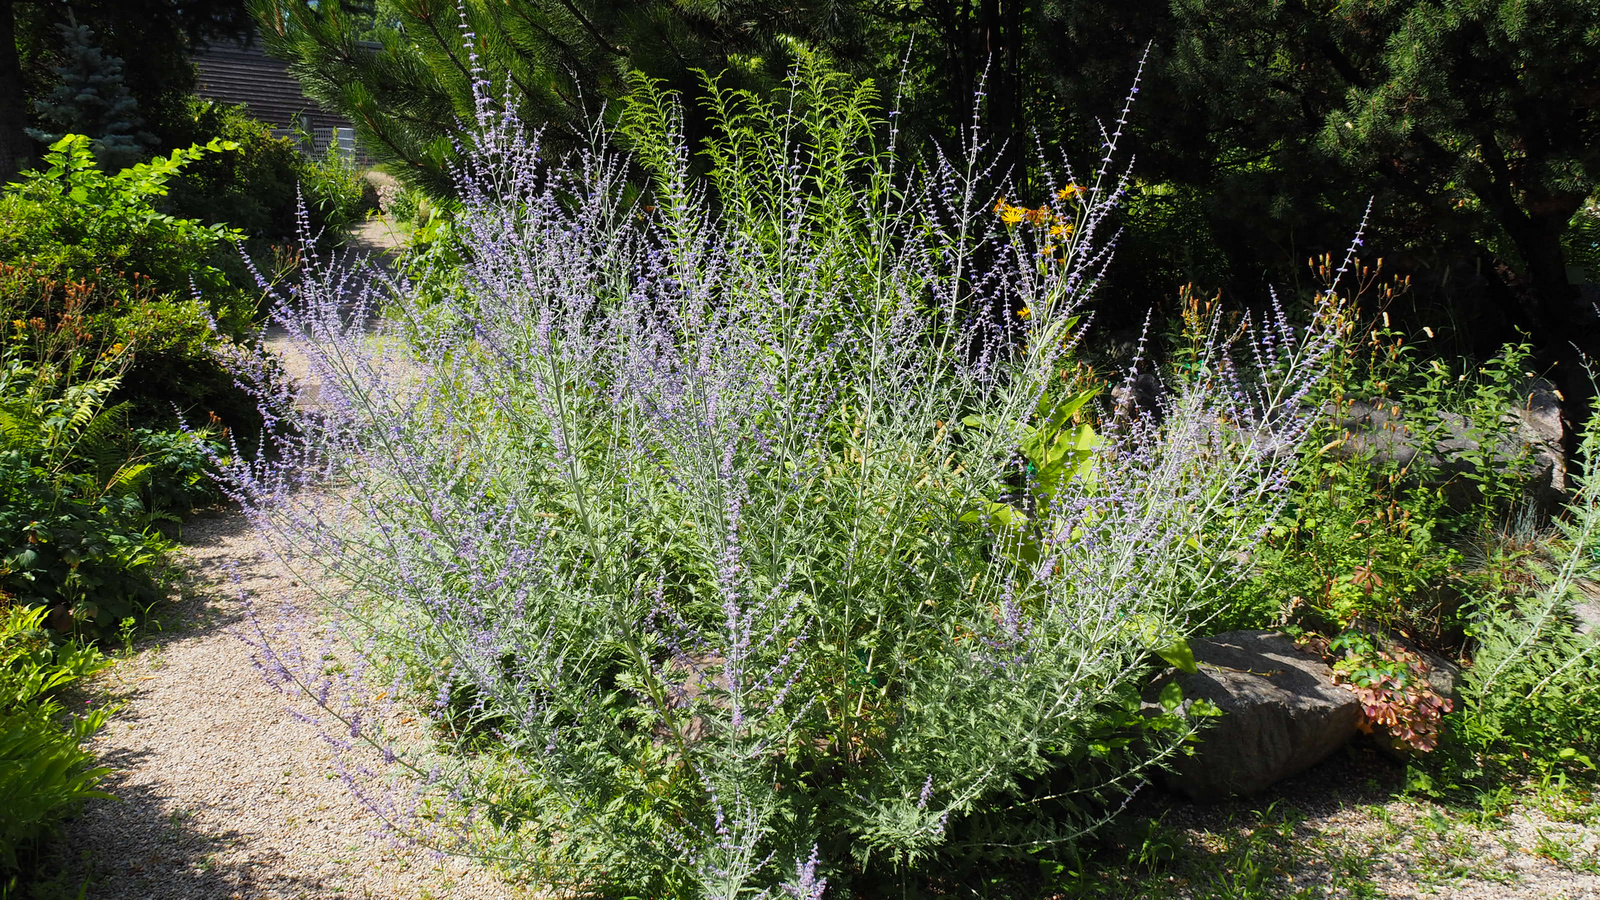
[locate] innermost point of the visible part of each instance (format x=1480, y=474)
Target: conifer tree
x=401, y=70
x=1474, y=125
x=93, y=100
x=153, y=38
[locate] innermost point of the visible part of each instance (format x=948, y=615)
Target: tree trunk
x=16, y=150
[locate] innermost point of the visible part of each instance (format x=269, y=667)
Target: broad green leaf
x=1178, y=655
x=1171, y=696
x=1000, y=514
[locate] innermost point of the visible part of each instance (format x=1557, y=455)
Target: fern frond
x=1529, y=656
x=85, y=401
x=102, y=435
x=127, y=479
x=20, y=427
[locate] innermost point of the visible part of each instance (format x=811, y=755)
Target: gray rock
x=1282, y=714
x=1586, y=606
x=1445, y=676
x=1588, y=615
x=1539, y=429
x=1453, y=450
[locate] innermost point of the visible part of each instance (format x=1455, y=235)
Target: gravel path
x=223, y=792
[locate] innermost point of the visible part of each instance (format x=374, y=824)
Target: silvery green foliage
x=668, y=516
x=1533, y=683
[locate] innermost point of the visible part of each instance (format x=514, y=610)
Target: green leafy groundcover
x=79, y=490
x=44, y=771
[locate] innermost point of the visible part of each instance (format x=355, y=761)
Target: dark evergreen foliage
x=91, y=99
x=1474, y=125
x=153, y=38
x=401, y=70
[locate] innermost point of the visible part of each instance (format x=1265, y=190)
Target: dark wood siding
x=245, y=74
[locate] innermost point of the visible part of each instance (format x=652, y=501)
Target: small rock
x=1282, y=714
x=1586, y=606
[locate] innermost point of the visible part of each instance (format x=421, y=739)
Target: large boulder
x=1525, y=443
x=1282, y=714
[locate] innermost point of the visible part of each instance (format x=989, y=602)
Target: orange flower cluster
x=55, y=315
x=1042, y=217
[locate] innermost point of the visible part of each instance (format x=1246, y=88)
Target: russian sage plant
x=672, y=513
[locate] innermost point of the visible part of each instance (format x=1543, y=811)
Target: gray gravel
x=222, y=792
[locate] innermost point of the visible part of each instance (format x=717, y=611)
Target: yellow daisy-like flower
x=1061, y=229
x=1068, y=192
x=1024, y=313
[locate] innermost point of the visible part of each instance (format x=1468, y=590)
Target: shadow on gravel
x=208, y=528
x=199, y=602
x=160, y=852
x=1289, y=841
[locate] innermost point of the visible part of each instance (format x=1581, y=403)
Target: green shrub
x=44, y=771
x=408, y=205
x=180, y=477
x=1383, y=539
x=74, y=221
x=253, y=188
x=336, y=196
x=1533, y=690
x=90, y=251
x=257, y=188
x=434, y=257
x=1372, y=548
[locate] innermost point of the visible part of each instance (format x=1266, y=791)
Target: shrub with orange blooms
x=91, y=246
